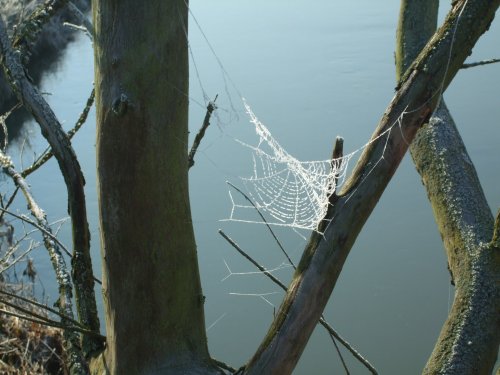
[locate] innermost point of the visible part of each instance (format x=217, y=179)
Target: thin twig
x=70, y=168
x=55, y=324
x=44, y=231
x=479, y=63
x=82, y=19
x=27, y=32
x=48, y=153
x=338, y=352
x=251, y=260
x=3, y=124
x=337, y=154
x=39, y=227
x=41, y=306
x=265, y=222
x=18, y=259
x=62, y=275
x=201, y=133
x=322, y=321
x=224, y=365
x=9, y=202
x=495, y=240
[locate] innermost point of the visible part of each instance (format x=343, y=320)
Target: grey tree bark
x=468, y=343
x=151, y=284
x=321, y=264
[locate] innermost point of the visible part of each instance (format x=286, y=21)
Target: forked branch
x=52, y=130
x=323, y=259
x=77, y=359
x=464, y=220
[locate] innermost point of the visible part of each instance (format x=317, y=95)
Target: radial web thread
x=288, y=192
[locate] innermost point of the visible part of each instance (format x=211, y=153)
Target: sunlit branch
x=322, y=321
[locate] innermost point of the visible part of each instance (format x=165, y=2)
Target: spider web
x=287, y=191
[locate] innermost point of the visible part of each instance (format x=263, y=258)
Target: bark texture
x=469, y=341
x=151, y=285
x=324, y=257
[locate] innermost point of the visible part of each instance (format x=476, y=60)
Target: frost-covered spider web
x=288, y=192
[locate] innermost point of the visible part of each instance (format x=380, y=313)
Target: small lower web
x=288, y=192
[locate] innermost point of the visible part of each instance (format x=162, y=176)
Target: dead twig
x=52, y=130
x=201, y=133
x=322, y=321
x=62, y=275
x=48, y=153
x=480, y=63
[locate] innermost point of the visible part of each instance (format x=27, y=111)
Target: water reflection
x=310, y=73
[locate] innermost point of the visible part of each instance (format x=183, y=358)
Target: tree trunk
x=469, y=341
x=151, y=284
x=324, y=256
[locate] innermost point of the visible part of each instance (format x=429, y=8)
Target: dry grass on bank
x=27, y=347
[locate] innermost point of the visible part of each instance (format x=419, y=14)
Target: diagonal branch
x=48, y=153
x=480, y=63
x=201, y=133
x=27, y=33
x=333, y=333
x=464, y=220
x=324, y=256
x=73, y=177
x=77, y=360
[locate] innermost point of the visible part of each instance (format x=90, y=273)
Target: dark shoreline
x=45, y=54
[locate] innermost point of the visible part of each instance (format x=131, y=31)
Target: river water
x=310, y=73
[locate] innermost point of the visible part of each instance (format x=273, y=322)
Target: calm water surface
x=310, y=73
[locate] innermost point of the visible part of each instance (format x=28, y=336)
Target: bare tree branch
x=77, y=359
x=464, y=220
x=322, y=321
x=417, y=97
x=480, y=63
x=44, y=231
x=84, y=21
x=27, y=33
x=48, y=153
x=35, y=318
x=70, y=168
x=496, y=231
x=201, y=133
x=266, y=223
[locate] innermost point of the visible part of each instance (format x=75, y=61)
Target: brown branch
x=332, y=332
x=224, y=366
x=9, y=202
x=50, y=322
x=62, y=275
x=84, y=21
x=201, y=133
x=48, y=153
x=480, y=63
x=41, y=306
x=496, y=231
x=27, y=33
x=464, y=220
x=266, y=223
x=44, y=231
x=417, y=97
x=73, y=177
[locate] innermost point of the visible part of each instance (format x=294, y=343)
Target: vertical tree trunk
x=324, y=256
x=468, y=343
x=151, y=285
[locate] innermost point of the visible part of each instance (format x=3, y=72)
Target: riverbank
x=45, y=53
x=27, y=347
